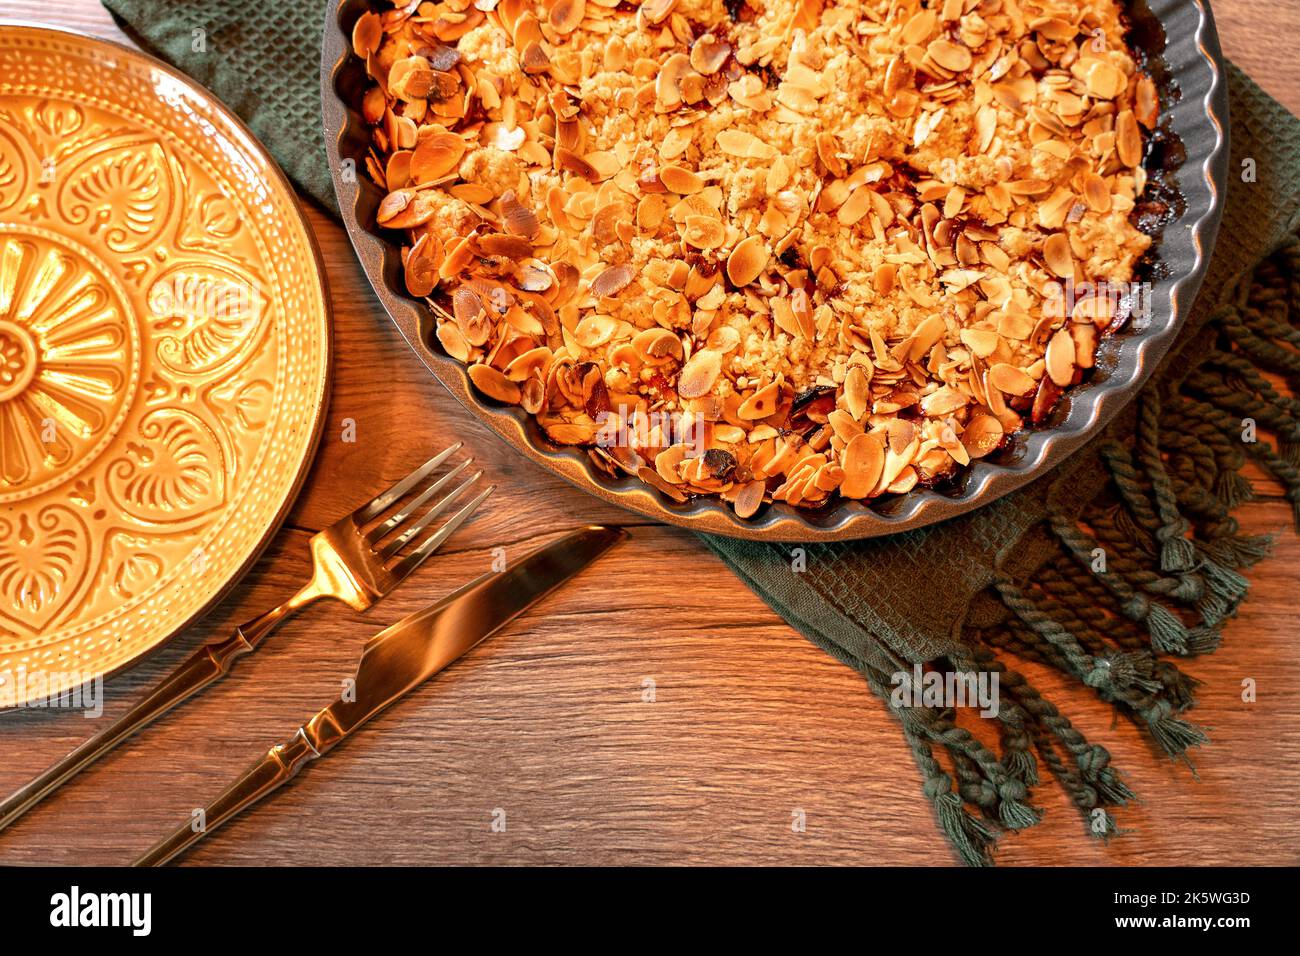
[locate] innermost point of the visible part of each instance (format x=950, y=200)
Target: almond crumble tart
x=857, y=244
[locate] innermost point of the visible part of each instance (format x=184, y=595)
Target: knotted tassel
x=1021, y=765
x=1094, y=767
x=968, y=836
x=1168, y=634
x=1124, y=670
x=1173, y=733
x=1014, y=814
x=1233, y=488
x=1177, y=553
x=1204, y=640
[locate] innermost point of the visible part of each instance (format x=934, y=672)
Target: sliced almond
x=1128, y=139
x=566, y=15
x=1012, y=380
x=982, y=435
x=760, y=404
x=680, y=180
x=519, y=219
x=951, y=56
x=863, y=462
x=1060, y=358
x=494, y=384
x=612, y=281
x=1096, y=193
x=919, y=27
x=1056, y=255
x=366, y=34
x=453, y=340
x=436, y=156
x=709, y=53
x=747, y=261
x=1104, y=80
x=657, y=343
x=857, y=394
x=657, y=11
x=699, y=373
x=749, y=499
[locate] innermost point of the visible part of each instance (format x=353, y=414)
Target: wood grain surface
x=547, y=722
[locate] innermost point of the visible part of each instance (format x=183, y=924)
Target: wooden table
x=547, y=723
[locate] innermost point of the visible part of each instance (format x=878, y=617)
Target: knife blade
x=396, y=661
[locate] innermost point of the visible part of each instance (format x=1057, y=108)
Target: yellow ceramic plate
x=164, y=355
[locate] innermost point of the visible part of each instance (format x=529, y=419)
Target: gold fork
x=356, y=560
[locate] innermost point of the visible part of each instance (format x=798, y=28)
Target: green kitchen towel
x=1124, y=559
x=261, y=59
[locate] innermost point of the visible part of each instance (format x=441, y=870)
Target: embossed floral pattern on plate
x=164, y=349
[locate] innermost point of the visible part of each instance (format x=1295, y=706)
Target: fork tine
x=402, y=540
x=410, y=562
x=389, y=525
x=384, y=500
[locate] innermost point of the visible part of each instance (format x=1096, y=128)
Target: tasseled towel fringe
x=1171, y=577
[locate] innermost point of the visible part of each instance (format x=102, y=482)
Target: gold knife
x=396, y=661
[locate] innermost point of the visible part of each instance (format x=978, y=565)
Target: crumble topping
x=857, y=244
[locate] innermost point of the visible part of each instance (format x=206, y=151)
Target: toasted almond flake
x=1012, y=380
x=657, y=11
x=747, y=261
x=680, y=180
x=494, y=384
x=668, y=83
x=709, y=53
x=919, y=27
x=1085, y=343
x=612, y=281
x=571, y=162
x=519, y=219
x=366, y=34
x=657, y=344
x=566, y=15
x=982, y=435
x=1105, y=80
x=1128, y=140
x=699, y=373
x=745, y=145
x=749, y=499
x=828, y=151
x=857, y=391
x=1097, y=309
x=949, y=55
x=855, y=207
x=436, y=156
x=1056, y=255
x=1060, y=358
x=668, y=463
x=704, y=232
x=534, y=60
x=1055, y=28
x=1096, y=193
x=421, y=265
x=943, y=401
x=883, y=278
x=981, y=342
x=453, y=341
x=1146, y=105
x=760, y=404
x=863, y=464
x=650, y=212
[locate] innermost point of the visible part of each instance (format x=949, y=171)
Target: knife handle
x=279, y=766
x=205, y=665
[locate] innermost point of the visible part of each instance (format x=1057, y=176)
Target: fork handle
x=205, y=665
x=274, y=770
